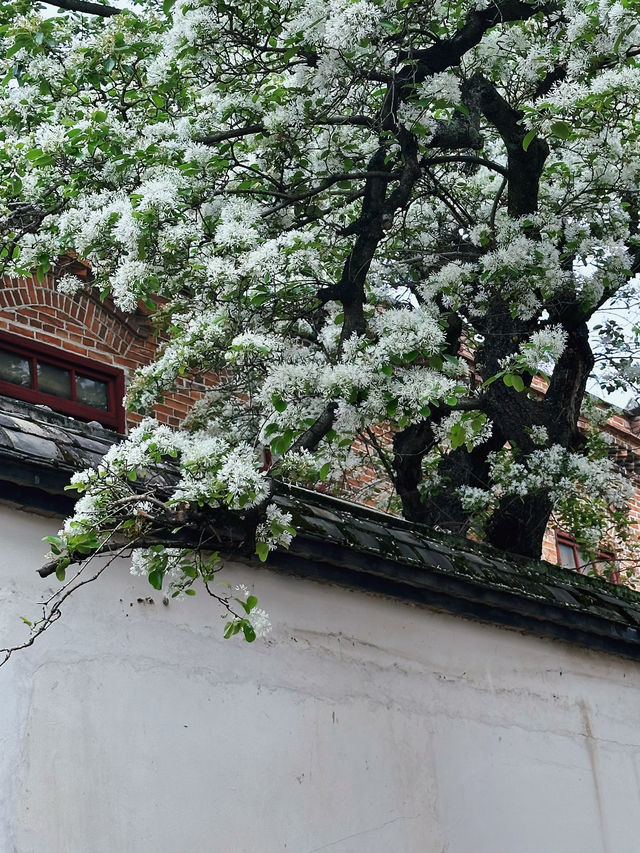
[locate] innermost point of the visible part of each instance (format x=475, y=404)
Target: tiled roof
x=358, y=547
x=386, y=554
x=39, y=447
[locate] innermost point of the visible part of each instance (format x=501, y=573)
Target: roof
x=354, y=546
x=40, y=448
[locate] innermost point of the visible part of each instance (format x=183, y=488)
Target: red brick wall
x=82, y=325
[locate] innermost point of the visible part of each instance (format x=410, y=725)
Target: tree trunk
x=518, y=524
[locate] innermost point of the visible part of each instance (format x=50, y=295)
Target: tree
x=343, y=206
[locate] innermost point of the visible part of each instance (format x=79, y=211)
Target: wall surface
x=85, y=327
x=362, y=725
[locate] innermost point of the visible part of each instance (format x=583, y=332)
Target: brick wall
x=86, y=327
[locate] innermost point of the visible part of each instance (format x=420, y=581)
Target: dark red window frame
x=34, y=351
x=568, y=541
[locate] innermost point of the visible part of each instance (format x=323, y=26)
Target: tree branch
x=449, y=52
x=236, y=133
x=85, y=7
x=329, y=182
x=465, y=158
x=312, y=437
x=524, y=168
x=250, y=129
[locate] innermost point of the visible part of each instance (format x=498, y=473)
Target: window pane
x=54, y=380
x=15, y=368
x=567, y=556
x=92, y=392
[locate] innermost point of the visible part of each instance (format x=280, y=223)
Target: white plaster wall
x=363, y=726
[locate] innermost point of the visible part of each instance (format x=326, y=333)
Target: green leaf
x=260, y=299
x=248, y=631
x=528, y=139
x=60, y=573
x=282, y=443
x=458, y=436
x=155, y=578
x=324, y=471
x=251, y=602
x=278, y=403
x=262, y=550
x=561, y=129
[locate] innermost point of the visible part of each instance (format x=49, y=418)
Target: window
x=67, y=383
x=571, y=557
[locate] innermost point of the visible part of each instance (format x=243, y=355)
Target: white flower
x=239, y=223
x=539, y=434
x=543, y=347
x=69, y=284
x=260, y=622
x=126, y=283
x=444, y=86
x=276, y=531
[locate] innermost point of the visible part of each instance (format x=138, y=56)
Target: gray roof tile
x=35, y=445
x=32, y=432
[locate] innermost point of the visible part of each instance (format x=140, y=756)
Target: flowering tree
x=342, y=205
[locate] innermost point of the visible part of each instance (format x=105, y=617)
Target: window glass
x=54, y=380
x=72, y=385
x=15, y=368
x=567, y=556
x=92, y=392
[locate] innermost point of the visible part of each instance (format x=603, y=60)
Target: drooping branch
x=179, y=527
